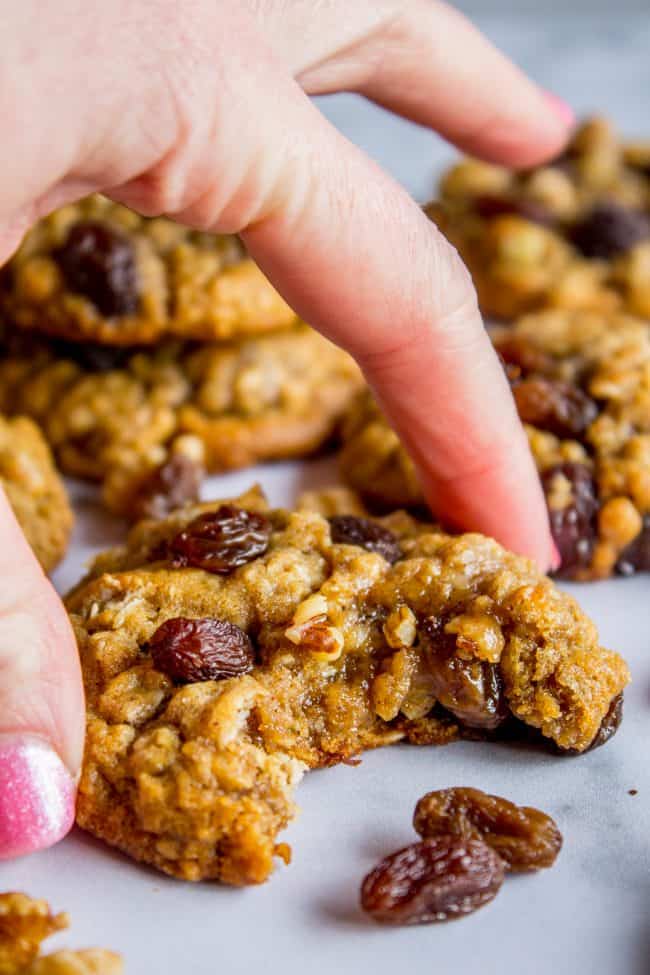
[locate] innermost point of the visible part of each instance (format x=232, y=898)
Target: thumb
x=41, y=702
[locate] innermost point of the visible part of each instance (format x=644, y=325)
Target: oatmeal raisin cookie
x=573, y=233
x=231, y=647
x=581, y=382
x=146, y=422
x=34, y=489
x=95, y=271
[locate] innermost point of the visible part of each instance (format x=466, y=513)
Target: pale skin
x=198, y=109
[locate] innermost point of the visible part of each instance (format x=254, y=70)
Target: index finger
x=357, y=258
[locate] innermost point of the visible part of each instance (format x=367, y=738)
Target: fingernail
x=563, y=111
x=556, y=558
x=36, y=796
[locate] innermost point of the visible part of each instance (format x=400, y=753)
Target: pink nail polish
x=36, y=796
x=561, y=109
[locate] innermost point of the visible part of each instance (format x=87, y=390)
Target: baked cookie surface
x=95, y=271
x=146, y=422
x=581, y=382
x=574, y=233
x=25, y=923
x=231, y=647
x=34, y=489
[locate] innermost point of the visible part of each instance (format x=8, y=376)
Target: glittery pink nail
x=36, y=796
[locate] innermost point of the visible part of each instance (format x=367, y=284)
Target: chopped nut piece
x=477, y=636
x=400, y=628
x=324, y=642
x=390, y=688
x=314, y=607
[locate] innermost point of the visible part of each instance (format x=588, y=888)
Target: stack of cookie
x=148, y=354
x=564, y=251
x=227, y=647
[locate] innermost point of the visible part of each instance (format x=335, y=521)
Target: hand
x=198, y=109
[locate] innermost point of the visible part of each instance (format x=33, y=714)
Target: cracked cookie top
x=95, y=271
x=574, y=233
x=231, y=646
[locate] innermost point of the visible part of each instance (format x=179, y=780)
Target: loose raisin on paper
x=437, y=879
x=352, y=530
x=222, y=540
x=525, y=838
x=471, y=689
x=98, y=261
x=192, y=650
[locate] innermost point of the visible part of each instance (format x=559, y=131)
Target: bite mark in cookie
x=193, y=770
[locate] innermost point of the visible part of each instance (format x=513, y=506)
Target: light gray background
x=591, y=912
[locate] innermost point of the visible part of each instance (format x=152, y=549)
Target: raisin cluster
x=469, y=841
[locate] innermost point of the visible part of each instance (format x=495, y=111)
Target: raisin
x=174, y=483
x=610, y=723
x=609, y=230
x=488, y=207
x=573, y=526
x=513, y=373
x=636, y=556
x=351, y=530
x=524, y=838
x=220, y=541
x=438, y=879
x=608, y=728
x=521, y=356
x=558, y=407
x=471, y=689
x=192, y=650
x=98, y=261
x=92, y=356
